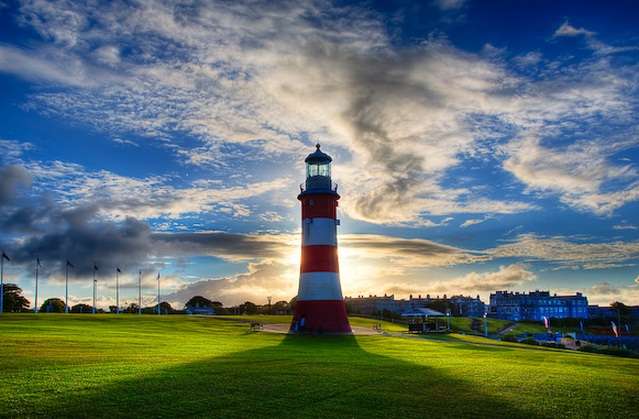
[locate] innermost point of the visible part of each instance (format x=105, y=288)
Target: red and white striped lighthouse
x=320, y=306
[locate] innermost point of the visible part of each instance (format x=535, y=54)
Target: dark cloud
x=221, y=244
x=53, y=232
x=78, y=235
x=11, y=179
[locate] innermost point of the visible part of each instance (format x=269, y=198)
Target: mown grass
x=165, y=366
x=286, y=319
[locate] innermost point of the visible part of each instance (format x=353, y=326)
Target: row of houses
x=536, y=305
x=457, y=305
x=507, y=305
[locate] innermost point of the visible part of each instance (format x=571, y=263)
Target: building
x=467, y=306
x=610, y=313
x=373, y=304
x=536, y=305
x=458, y=305
x=320, y=307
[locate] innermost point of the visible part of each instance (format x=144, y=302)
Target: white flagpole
x=159, y=311
x=95, y=284
x=140, y=292
x=117, y=291
x=35, y=307
x=66, y=290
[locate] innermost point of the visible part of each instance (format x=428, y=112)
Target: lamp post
x=486, y=324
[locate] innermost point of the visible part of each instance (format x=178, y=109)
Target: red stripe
x=319, y=206
x=321, y=316
x=319, y=259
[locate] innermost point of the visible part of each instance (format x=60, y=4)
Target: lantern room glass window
x=318, y=170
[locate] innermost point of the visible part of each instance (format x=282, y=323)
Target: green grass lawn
x=107, y=365
x=463, y=325
x=353, y=320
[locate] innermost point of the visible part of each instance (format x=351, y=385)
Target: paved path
x=506, y=329
x=283, y=328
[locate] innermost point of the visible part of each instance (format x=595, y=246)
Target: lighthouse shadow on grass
x=302, y=376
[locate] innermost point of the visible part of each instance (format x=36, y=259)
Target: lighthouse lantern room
x=320, y=305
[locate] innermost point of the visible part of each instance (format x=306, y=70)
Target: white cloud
x=529, y=59
x=566, y=29
x=45, y=67
x=450, y=4
x=120, y=196
x=578, y=172
x=264, y=77
x=12, y=151
x=108, y=54
x=515, y=276
x=474, y=221
x=605, y=293
x=599, y=47
x=568, y=254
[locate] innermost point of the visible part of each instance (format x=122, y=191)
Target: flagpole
x=117, y=291
x=2, y=282
x=66, y=290
x=35, y=307
x=159, y=311
x=94, y=287
x=140, y=292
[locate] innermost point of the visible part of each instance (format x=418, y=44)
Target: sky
x=477, y=145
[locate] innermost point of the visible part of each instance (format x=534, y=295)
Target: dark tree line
x=13, y=300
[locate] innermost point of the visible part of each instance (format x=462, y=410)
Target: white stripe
x=319, y=231
x=319, y=286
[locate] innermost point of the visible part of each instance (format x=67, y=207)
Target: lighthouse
x=320, y=305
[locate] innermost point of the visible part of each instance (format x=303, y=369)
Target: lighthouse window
x=318, y=170
x=324, y=169
x=311, y=170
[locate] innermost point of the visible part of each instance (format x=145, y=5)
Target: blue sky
x=477, y=145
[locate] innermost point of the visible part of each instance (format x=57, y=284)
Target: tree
x=53, y=305
x=248, y=308
x=113, y=309
x=281, y=307
x=132, y=308
x=14, y=301
x=165, y=308
x=81, y=308
x=623, y=311
x=199, y=302
x=442, y=306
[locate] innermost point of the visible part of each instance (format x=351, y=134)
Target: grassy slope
x=175, y=365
